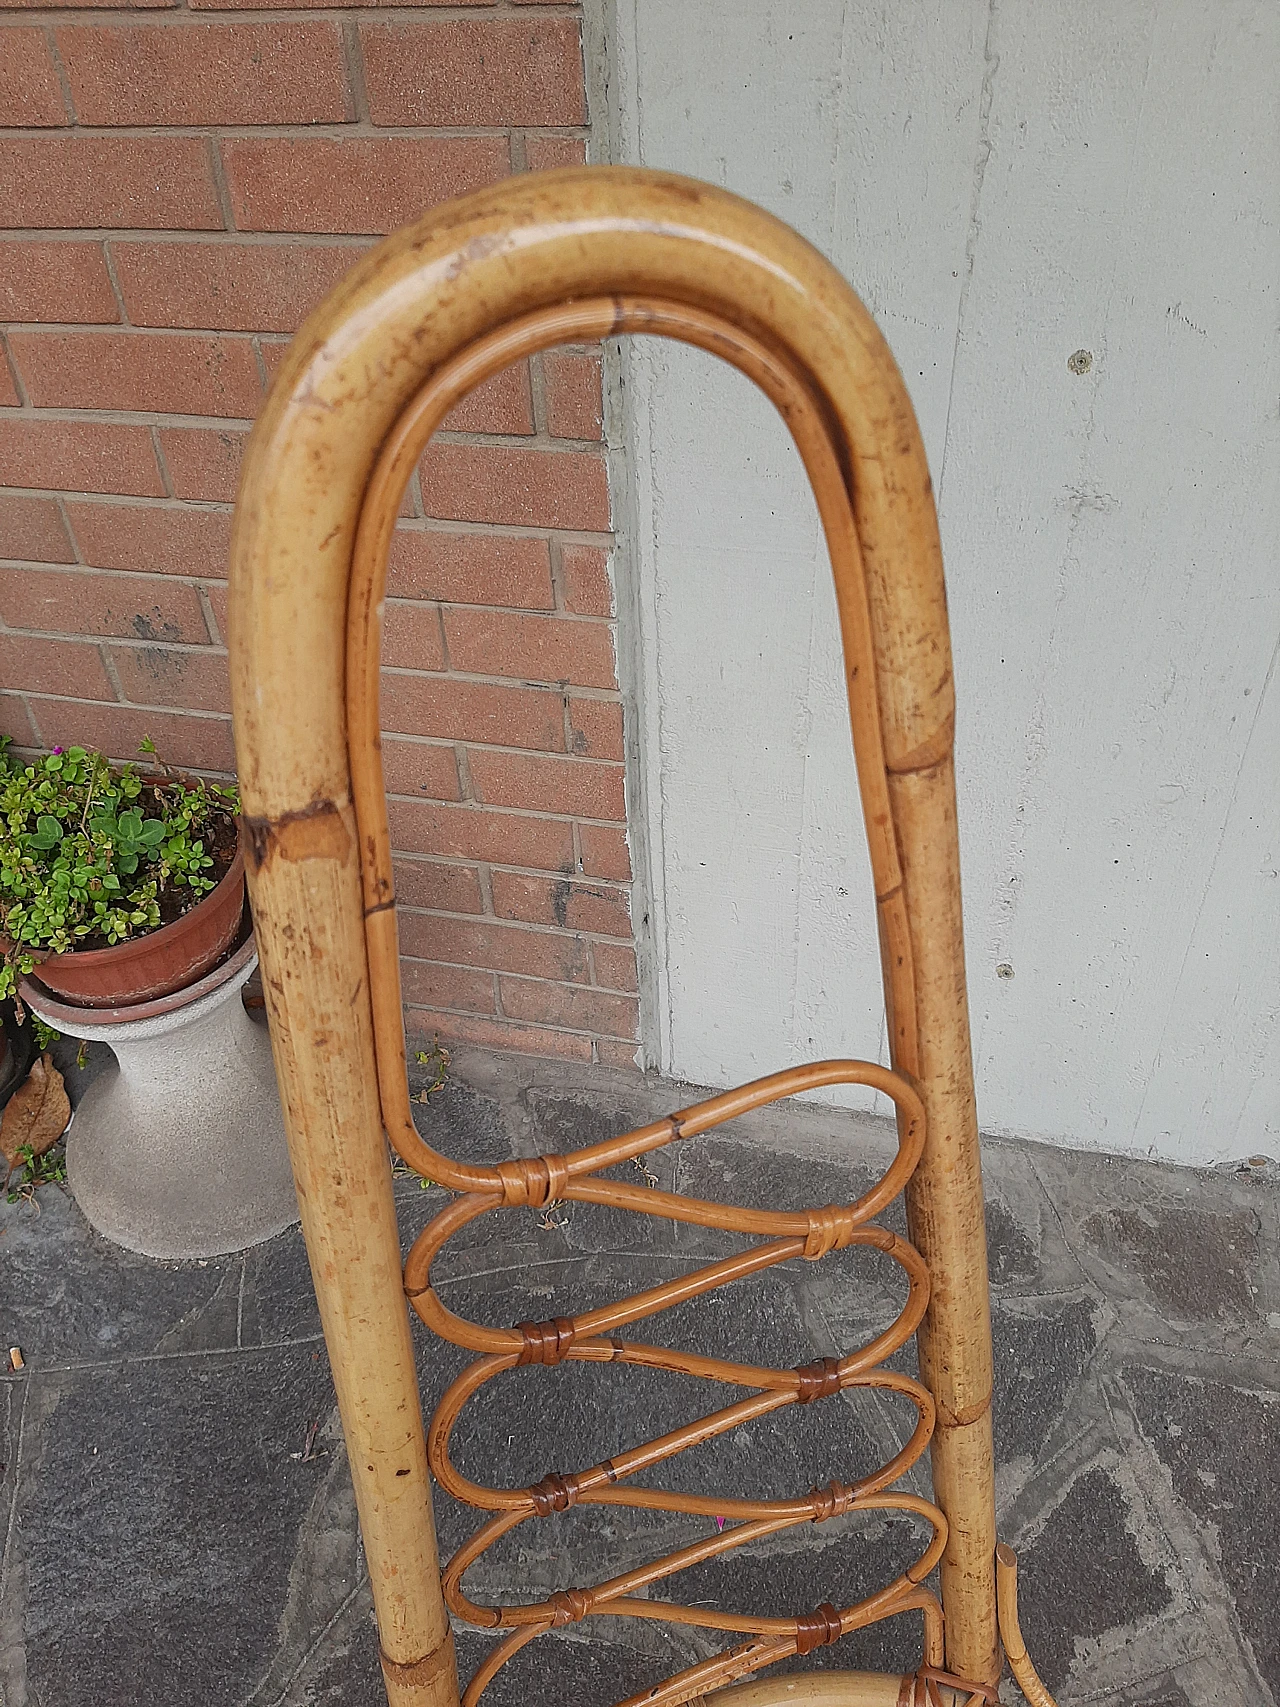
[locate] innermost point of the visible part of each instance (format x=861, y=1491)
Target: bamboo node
x=533, y=1180
x=818, y=1629
x=546, y=1342
x=818, y=1380
x=418, y=1674
x=553, y=1493
x=317, y=831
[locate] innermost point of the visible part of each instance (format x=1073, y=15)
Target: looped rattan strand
x=614, y=1481
x=779, y=1236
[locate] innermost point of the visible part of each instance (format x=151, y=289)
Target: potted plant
x=122, y=908
x=115, y=887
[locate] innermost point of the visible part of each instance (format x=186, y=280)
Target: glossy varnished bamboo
x=578, y=253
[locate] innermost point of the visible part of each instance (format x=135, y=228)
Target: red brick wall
x=179, y=186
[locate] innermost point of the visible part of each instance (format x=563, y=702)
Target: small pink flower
x=57, y=749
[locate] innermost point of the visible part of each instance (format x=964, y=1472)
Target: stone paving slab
x=176, y=1513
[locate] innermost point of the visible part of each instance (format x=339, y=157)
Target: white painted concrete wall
x=1005, y=184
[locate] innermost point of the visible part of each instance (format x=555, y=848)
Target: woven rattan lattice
x=593, y=1335
x=563, y=257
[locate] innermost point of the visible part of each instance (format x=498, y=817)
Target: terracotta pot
x=144, y=967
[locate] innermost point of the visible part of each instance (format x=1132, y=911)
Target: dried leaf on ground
x=36, y=1115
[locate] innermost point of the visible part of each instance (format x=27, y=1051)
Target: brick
x=31, y=530
x=206, y=73
x=546, y=153
x=58, y=5
x=161, y=675
x=469, y=568
x=140, y=182
x=604, y=852
x=584, y=579
x=54, y=666
x=61, y=281
x=180, y=373
x=425, y=984
x=503, y=404
x=531, y=648
x=503, y=948
x=9, y=397
x=359, y=185
x=79, y=456
x=15, y=720
x=576, y=1010
x=611, y=1054
x=444, y=888
x=460, y=72
x=575, y=404
x=227, y=286
x=139, y=607
x=563, y=902
x=217, y=592
x=411, y=639
x=29, y=92
x=483, y=1033
x=255, y=5
x=615, y=966
x=190, y=742
x=595, y=728
x=172, y=540
x=577, y=788
x=523, y=488
x=466, y=832
x=419, y=768
x=455, y=710
x=203, y=462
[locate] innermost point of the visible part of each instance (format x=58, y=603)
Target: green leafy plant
x=32, y=1171
x=45, y=1035
x=91, y=854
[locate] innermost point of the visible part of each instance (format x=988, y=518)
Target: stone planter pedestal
x=177, y=1148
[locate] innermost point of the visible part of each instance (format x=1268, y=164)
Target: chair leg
x=311, y=941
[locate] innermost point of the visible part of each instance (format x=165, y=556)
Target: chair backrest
x=432, y=312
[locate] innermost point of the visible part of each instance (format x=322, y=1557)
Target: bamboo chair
x=431, y=313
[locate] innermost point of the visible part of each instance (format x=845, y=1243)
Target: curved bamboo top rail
x=425, y=317
x=535, y=242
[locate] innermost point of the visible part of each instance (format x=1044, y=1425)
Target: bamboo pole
x=420, y=301
x=814, y=1689
x=301, y=871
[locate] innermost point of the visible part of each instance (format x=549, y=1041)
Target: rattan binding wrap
x=430, y=314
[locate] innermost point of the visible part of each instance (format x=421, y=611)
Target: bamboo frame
x=436, y=309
